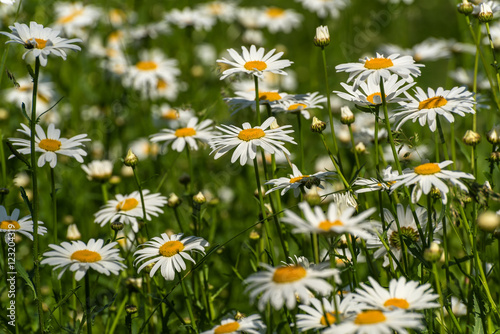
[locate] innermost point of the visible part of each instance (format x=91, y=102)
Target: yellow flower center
x=227, y=328
x=289, y=274
x=369, y=317
x=127, y=204
x=427, y=169
x=215, y=8
x=185, y=132
x=397, y=302
x=298, y=178
x=49, y=145
x=170, y=248
x=269, y=96
x=378, y=63
x=297, y=106
x=146, y=65
x=86, y=255
x=70, y=17
x=433, y=102
x=251, y=134
x=7, y=225
x=255, y=65
x=275, y=12
x=40, y=43
x=161, y=84
x=330, y=316
x=170, y=115
x=326, y=225
x=371, y=98
x=115, y=36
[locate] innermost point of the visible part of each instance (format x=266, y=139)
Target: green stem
x=191, y=173
x=301, y=141
x=2, y=161
x=257, y=103
x=495, y=63
x=353, y=144
x=388, y=126
x=104, y=189
x=87, y=303
x=329, y=106
x=442, y=140
x=188, y=303
x=139, y=186
x=54, y=204
x=453, y=148
x=438, y=289
x=339, y=172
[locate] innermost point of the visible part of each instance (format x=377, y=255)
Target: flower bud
x=493, y=136
x=488, y=221
x=471, y=138
x=117, y=225
x=465, y=7
x=184, y=179
x=322, y=37
x=131, y=159
x=485, y=13
x=495, y=157
x=254, y=235
x=346, y=115
x=360, y=147
x=173, y=201
x=433, y=253
x=317, y=125
x=131, y=309
x=199, y=198
x=73, y=233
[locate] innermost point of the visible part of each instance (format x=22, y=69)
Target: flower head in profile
x=40, y=41
x=248, y=139
x=126, y=208
x=80, y=257
x=98, y=170
x=282, y=285
x=189, y=135
x=12, y=224
x=323, y=8
x=428, y=175
x=168, y=253
x=300, y=104
x=322, y=314
x=372, y=184
x=381, y=67
x=425, y=107
x=277, y=19
x=254, y=62
x=251, y=325
x=50, y=144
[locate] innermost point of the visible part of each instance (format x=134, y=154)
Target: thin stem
x=440, y=294
x=54, y=204
x=191, y=173
x=257, y=103
x=353, y=144
x=188, y=303
x=87, y=303
x=139, y=186
x=339, y=172
x=104, y=189
x=328, y=104
x=301, y=141
x=388, y=126
x=453, y=148
x=442, y=140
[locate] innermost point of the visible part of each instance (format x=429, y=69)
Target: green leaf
x=16, y=153
x=24, y=275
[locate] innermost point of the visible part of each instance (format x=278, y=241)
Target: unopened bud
x=495, y=156
x=115, y=179
x=465, y=7
x=471, y=138
x=488, y=221
x=254, y=235
x=173, y=201
x=346, y=115
x=199, y=198
x=73, y=233
x=131, y=309
x=485, y=13
x=360, y=147
x=322, y=37
x=117, y=225
x=131, y=159
x=433, y=253
x=493, y=136
x=317, y=125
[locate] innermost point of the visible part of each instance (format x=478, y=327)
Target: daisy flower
x=284, y=284
x=12, y=224
x=73, y=18
x=427, y=175
x=278, y=19
x=408, y=228
x=99, y=170
x=8, y=2
x=144, y=149
x=430, y=49
x=189, y=134
x=40, y=41
x=151, y=72
x=245, y=99
x=368, y=93
x=372, y=184
x=80, y=257
x=174, y=117
x=222, y=10
x=300, y=104
x=24, y=93
x=169, y=253
x=321, y=313
x=50, y=144
x=296, y=180
x=381, y=66
x=401, y=294
x=248, y=139
x=332, y=222
x=378, y=322
x=426, y=107
x=188, y=17
x=254, y=62
x=127, y=208
x=323, y=8
x=251, y=325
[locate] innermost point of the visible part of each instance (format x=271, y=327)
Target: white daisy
x=401, y=294
x=428, y=50
x=80, y=257
x=222, y=10
x=73, y=18
x=323, y=8
x=368, y=93
x=98, y=170
x=251, y=324
x=41, y=41
x=245, y=99
x=322, y=314
x=144, y=149
x=426, y=107
x=300, y=104
x=427, y=175
x=297, y=180
x=50, y=144
x=193, y=131
x=282, y=285
x=151, y=72
x=372, y=184
x=127, y=208
x=254, y=62
x=381, y=66
x=331, y=222
x=12, y=224
x=174, y=117
x=279, y=19
x=188, y=17
x=169, y=253
x=248, y=139
x=8, y=2
x=24, y=93
x=378, y=322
